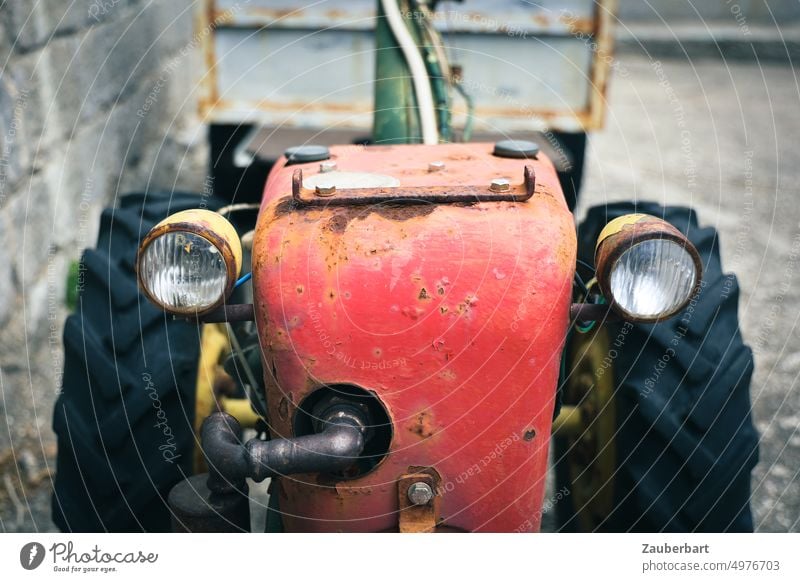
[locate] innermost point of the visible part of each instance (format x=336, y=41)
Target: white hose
x=419, y=74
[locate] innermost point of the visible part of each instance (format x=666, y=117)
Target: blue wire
x=243, y=279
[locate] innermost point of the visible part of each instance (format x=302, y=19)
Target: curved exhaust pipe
x=337, y=444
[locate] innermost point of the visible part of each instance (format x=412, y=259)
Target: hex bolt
x=500, y=185
x=420, y=493
x=326, y=167
x=436, y=166
x=325, y=190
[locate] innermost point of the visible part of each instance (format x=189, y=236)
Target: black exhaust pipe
x=337, y=444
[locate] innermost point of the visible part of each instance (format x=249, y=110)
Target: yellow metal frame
x=588, y=424
x=618, y=224
x=214, y=108
x=215, y=345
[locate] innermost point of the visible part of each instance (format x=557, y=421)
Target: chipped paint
x=405, y=301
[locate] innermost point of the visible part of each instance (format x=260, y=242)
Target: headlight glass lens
x=653, y=278
x=183, y=271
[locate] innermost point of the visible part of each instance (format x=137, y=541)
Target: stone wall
x=96, y=99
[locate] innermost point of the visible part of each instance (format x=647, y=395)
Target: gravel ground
x=717, y=136
x=720, y=137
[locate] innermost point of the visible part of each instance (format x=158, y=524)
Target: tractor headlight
x=188, y=263
x=646, y=268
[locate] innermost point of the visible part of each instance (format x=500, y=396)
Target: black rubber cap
x=307, y=153
x=513, y=148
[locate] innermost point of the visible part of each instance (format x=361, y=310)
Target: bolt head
x=436, y=166
x=325, y=190
x=516, y=148
x=307, y=153
x=326, y=167
x=500, y=185
x=420, y=493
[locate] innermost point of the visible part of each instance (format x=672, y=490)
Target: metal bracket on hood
x=413, y=194
x=418, y=517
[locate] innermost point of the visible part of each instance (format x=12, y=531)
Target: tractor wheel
x=669, y=444
x=124, y=418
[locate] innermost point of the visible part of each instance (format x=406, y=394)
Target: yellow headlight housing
x=646, y=268
x=188, y=264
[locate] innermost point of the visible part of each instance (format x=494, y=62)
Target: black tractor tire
x=570, y=163
x=685, y=440
x=125, y=413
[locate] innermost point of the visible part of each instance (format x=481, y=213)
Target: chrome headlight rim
x=623, y=234
x=210, y=226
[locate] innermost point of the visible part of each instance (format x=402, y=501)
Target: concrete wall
x=96, y=99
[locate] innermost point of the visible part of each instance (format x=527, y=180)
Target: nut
x=325, y=190
x=436, y=166
x=326, y=167
x=420, y=493
x=500, y=185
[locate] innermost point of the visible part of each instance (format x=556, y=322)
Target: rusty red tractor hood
x=448, y=312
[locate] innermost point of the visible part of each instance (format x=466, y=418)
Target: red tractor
x=407, y=330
